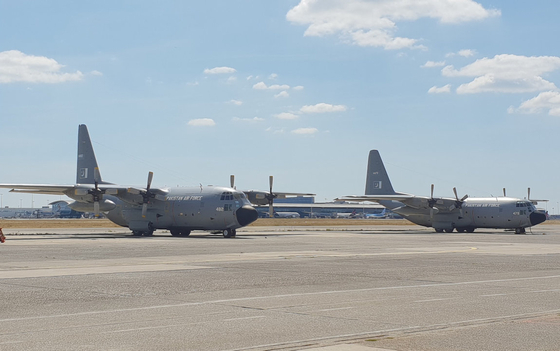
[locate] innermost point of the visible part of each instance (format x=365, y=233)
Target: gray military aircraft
x=144, y=210
x=445, y=214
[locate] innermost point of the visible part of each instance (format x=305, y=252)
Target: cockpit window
x=226, y=195
x=239, y=196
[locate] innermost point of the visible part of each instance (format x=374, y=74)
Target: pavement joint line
x=254, y=298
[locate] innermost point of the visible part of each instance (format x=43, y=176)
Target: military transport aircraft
x=144, y=210
x=445, y=214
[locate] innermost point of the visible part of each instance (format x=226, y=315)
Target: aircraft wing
x=128, y=194
x=258, y=197
x=376, y=198
x=38, y=188
x=417, y=202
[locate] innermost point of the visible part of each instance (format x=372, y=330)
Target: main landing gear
x=459, y=230
x=141, y=233
x=229, y=233
x=180, y=232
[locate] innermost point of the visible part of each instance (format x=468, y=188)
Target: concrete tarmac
x=338, y=288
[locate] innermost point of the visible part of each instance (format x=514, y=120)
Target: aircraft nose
x=246, y=215
x=537, y=217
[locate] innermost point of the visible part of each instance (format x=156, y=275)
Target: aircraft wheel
x=519, y=230
x=439, y=230
x=148, y=233
x=185, y=232
x=136, y=233
x=175, y=232
x=470, y=230
x=449, y=230
x=229, y=233
x=460, y=230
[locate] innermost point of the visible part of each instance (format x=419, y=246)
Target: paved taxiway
x=389, y=287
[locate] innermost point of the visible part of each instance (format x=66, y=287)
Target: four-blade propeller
x=432, y=202
x=147, y=194
x=270, y=197
x=459, y=203
x=96, y=193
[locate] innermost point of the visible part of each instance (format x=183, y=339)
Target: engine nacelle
x=257, y=197
x=104, y=206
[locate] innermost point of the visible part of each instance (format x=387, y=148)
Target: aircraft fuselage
x=500, y=212
x=206, y=208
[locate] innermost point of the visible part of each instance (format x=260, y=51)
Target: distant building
x=296, y=200
x=19, y=212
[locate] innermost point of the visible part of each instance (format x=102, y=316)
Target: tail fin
x=377, y=182
x=87, y=164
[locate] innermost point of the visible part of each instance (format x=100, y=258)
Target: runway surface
x=388, y=287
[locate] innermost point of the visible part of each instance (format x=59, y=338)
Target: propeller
x=96, y=193
x=459, y=202
x=232, y=181
x=270, y=197
x=504, y=192
x=529, y=194
x=431, y=202
x=147, y=195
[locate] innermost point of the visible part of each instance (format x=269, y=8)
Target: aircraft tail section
x=87, y=169
x=377, y=181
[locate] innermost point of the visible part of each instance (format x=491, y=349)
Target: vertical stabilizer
x=377, y=181
x=87, y=170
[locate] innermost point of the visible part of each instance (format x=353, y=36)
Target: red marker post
x=2, y=237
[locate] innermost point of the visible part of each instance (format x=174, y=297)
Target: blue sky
x=460, y=93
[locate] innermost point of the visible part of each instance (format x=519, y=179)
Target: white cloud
x=322, y=107
x=279, y=87
x=96, y=73
x=231, y=79
x=254, y=119
x=307, y=131
x=15, y=66
x=466, y=53
x=220, y=70
x=236, y=102
x=443, y=89
x=430, y=64
x=260, y=86
x=286, y=115
x=263, y=86
x=275, y=131
x=250, y=77
x=202, y=122
x=192, y=83
x=282, y=94
x=299, y=87
x=273, y=76
x=373, y=23
x=506, y=74
x=463, y=53
x=548, y=100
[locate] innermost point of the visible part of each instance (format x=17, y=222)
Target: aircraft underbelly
x=496, y=218
x=196, y=215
